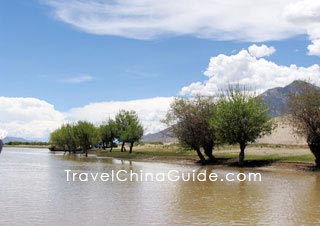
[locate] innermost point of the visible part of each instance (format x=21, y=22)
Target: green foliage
x=65, y=137
x=240, y=118
x=129, y=128
x=35, y=143
x=189, y=122
x=71, y=137
x=108, y=133
x=57, y=138
x=86, y=134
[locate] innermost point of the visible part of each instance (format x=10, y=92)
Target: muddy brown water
x=34, y=191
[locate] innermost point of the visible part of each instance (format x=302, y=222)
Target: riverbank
x=259, y=156
x=27, y=146
x=273, y=157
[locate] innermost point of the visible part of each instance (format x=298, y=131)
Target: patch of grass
x=150, y=153
x=273, y=157
x=298, y=158
x=273, y=146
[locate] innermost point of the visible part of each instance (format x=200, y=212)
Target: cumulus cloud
x=150, y=111
x=28, y=117
x=244, y=20
x=246, y=69
x=261, y=51
x=314, y=48
x=78, y=79
x=35, y=119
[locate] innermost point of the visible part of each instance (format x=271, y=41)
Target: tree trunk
x=315, y=149
x=208, y=152
x=202, y=159
x=122, y=147
x=241, y=154
x=103, y=145
x=86, y=151
x=131, y=145
x=111, y=147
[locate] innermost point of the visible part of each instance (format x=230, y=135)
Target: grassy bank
x=256, y=155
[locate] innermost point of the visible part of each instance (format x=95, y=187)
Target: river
x=35, y=191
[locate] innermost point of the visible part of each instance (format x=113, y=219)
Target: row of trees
x=236, y=117
x=83, y=135
x=239, y=117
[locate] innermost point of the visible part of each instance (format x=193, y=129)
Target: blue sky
x=43, y=52
x=38, y=52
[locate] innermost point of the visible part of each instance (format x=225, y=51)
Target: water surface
x=34, y=191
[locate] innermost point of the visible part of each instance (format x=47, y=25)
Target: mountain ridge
x=16, y=139
x=276, y=99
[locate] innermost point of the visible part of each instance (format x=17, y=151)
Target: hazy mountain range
x=17, y=139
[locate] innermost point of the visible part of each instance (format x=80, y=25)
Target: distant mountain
x=277, y=98
x=164, y=136
x=18, y=139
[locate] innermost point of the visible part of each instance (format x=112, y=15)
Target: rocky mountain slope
x=277, y=98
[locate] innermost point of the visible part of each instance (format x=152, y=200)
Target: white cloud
x=145, y=19
x=261, y=51
x=242, y=20
x=306, y=15
x=314, y=48
x=3, y=134
x=303, y=12
x=35, y=119
x=28, y=117
x=78, y=79
x=150, y=111
x=245, y=69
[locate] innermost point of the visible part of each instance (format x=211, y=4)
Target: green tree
x=304, y=109
x=108, y=133
x=189, y=122
x=86, y=134
x=128, y=127
x=57, y=138
x=70, y=137
x=240, y=118
x=65, y=138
